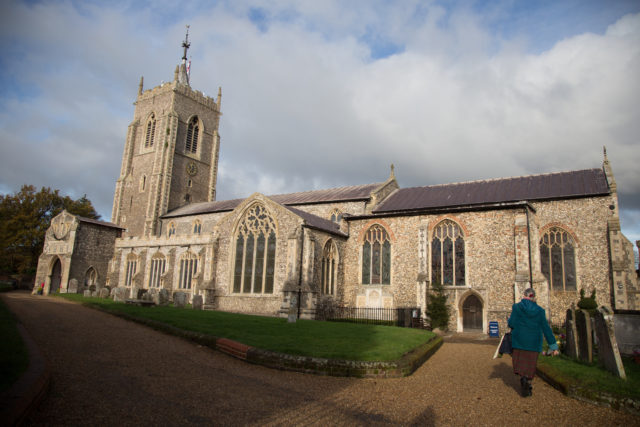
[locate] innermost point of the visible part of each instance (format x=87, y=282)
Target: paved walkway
x=108, y=371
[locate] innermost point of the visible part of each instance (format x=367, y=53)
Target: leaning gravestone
x=87, y=293
x=103, y=293
x=73, y=286
x=120, y=294
x=608, y=353
x=180, y=299
x=196, y=302
x=585, y=341
x=571, y=346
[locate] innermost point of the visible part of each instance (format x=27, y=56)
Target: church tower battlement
x=170, y=155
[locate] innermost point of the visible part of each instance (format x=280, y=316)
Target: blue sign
x=494, y=329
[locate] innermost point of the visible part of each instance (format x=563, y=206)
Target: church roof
x=341, y=194
x=98, y=222
x=561, y=185
x=314, y=221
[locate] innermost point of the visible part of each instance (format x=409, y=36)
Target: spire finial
x=140, y=86
x=186, y=45
x=393, y=174
x=604, y=149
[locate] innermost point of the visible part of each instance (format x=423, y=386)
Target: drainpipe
x=300, y=272
x=526, y=211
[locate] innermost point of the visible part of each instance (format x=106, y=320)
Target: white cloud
x=307, y=105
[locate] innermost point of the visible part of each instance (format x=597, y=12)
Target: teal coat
x=529, y=324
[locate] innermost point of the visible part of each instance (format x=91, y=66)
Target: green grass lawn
x=13, y=353
x=331, y=340
x=592, y=377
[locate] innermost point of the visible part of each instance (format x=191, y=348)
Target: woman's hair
x=529, y=292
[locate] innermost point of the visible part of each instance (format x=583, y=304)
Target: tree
x=437, y=308
x=25, y=217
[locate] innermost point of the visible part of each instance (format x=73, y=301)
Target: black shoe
x=525, y=386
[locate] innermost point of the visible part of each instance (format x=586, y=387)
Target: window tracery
x=255, y=252
x=376, y=257
x=171, y=229
x=191, y=145
x=132, y=265
x=336, y=216
x=329, y=268
x=188, y=269
x=197, y=227
x=448, y=254
x=558, y=259
x=158, y=265
x=151, y=131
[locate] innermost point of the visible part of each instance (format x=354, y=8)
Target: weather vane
x=186, y=44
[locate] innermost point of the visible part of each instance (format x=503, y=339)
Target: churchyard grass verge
x=590, y=380
x=330, y=340
x=14, y=358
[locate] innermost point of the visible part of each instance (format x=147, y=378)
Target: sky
x=322, y=94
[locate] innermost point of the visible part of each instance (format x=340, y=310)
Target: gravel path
x=108, y=371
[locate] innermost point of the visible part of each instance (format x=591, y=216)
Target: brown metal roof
x=314, y=221
x=560, y=185
x=341, y=194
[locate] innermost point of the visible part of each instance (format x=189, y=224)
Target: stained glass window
x=158, y=264
x=557, y=258
x=255, y=255
x=448, y=254
x=376, y=257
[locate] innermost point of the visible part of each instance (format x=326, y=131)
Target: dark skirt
x=524, y=362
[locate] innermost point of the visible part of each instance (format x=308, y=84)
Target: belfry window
x=447, y=254
x=191, y=145
x=329, y=268
x=151, y=131
x=188, y=269
x=376, y=257
x=158, y=264
x=558, y=259
x=255, y=253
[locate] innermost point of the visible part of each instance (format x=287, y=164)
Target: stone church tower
x=170, y=156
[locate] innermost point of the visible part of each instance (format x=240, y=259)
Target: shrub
x=589, y=303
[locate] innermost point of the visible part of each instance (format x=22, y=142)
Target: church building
x=374, y=245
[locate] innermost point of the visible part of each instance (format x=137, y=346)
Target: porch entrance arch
x=472, y=313
x=56, y=277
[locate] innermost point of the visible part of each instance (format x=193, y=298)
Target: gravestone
x=73, y=286
x=293, y=309
x=147, y=296
x=134, y=292
x=196, y=302
x=179, y=299
x=140, y=293
x=94, y=293
x=162, y=297
x=571, y=346
x=103, y=293
x=585, y=341
x=87, y=293
x=120, y=294
x=608, y=353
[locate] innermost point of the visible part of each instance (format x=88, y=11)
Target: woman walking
x=529, y=323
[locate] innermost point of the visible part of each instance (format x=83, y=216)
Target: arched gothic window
x=255, y=252
x=558, y=259
x=197, y=227
x=192, y=135
x=336, y=216
x=91, y=277
x=151, y=131
x=329, y=268
x=171, y=230
x=376, y=257
x=132, y=266
x=158, y=264
x=447, y=254
x=188, y=269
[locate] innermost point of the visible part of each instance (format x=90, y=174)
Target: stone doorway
x=56, y=277
x=472, y=314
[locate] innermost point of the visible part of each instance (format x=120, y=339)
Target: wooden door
x=472, y=313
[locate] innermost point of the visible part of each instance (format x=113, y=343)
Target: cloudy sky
x=320, y=94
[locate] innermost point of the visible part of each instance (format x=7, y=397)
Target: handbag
x=505, y=344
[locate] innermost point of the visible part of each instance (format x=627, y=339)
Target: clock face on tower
x=192, y=169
